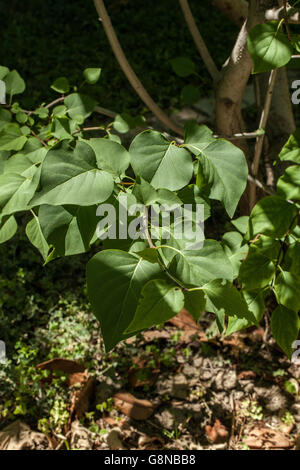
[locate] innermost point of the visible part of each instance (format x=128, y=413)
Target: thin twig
x=201, y=46
x=261, y=185
x=129, y=72
x=241, y=135
x=286, y=20
x=97, y=109
x=146, y=230
x=87, y=129
x=53, y=103
x=64, y=439
x=270, y=176
x=276, y=14
x=35, y=135
x=105, y=112
x=260, y=139
x=257, y=92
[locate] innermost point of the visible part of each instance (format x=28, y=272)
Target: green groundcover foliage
x=52, y=169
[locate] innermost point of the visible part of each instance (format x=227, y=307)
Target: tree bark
x=235, y=10
x=235, y=75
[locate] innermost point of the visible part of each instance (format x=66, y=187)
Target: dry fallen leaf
x=80, y=398
x=19, y=436
x=65, y=365
x=246, y=375
x=217, y=433
x=133, y=407
x=81, y=437
x=113, y=440
x=261, y=436
x=78, y=378
x=151, y=335
x=150, y=443
x=140, y=374
x=184, y=321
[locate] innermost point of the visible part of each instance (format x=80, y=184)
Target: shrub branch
x=201, y=46
x=260, y=138
x=129, y=72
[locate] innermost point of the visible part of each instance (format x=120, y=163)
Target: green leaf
x=69, y=229
x=36, y=237
x=22, y=160
x=92, y=75
x=16, y=190
x=191, y=195
x=197, y=138
x=194, y=302
x=258, y=269
x=2, y=92
x=269, y=47
x=14, y=83
x=222, y=165
x=160, y=162
x=255, y=302
x=291, y=150
x=296, y=42
x=42, y=112
x=18, y=163
x=61, y=85
x=233, y=241
x=197, y=267
x=223, y=297
x=59, y=111
x=159, y=302
x=285, y=328
x=184, y=233
x=271, y=216
x=145, y=193
x=235, y=250
x=115, y=279
x=25, y=130
x=266, y=246
x=62, y=128
x=288, y=186
x=124, y=122
x=8, y=228
x=5, y=117
x=3, y=158
x=11, y=137
x=149, y=254
x=111, y=156
x=79, y=106
x=241, y=224
x=182, y=66
x=292, y=257
x=190, y=94
x=287, y=288
x=21, y=117
x=164, y=196
x=3, y=72
x=73, y=178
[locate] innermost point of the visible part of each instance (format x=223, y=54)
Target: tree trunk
x=235, y=75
